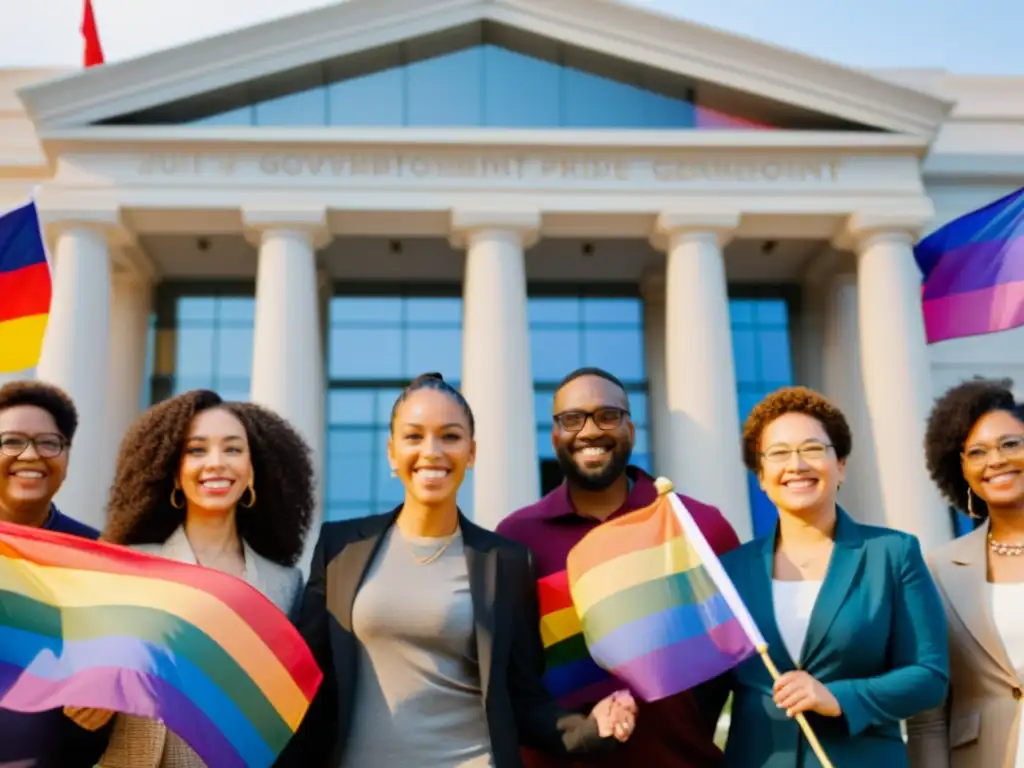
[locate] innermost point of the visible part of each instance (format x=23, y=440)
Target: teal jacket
x=876, y=639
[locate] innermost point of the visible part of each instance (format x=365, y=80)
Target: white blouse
x=1005, y=601
x=794, y=601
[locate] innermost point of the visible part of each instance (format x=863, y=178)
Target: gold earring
x=174, y=497
x=970, y=506
x=252, y=496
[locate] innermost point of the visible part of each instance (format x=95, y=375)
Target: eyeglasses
x=604, y=418
x=809, y=452
x=1009, y=447
x=48, y=446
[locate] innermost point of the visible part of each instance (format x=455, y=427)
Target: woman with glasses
x=227, y=486
x=37, y=424
x=975, y=452
x=850, y=614
x=426, y=625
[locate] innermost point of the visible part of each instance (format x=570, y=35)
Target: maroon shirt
x=677, y=732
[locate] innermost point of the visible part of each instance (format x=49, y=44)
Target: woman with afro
x=228, y=486
x=974, y=447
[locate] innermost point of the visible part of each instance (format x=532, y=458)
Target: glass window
x=194, y=351
x=351, y=406
x=483, y=86
x=446, y=311
x=619, y=351
x=201, y=309
x=613, y=311
x=306, y=108
x=554, y=353
x=366, y=353
x=234, y=352
x=434, y=349
x=358, y=309
x=553, y=311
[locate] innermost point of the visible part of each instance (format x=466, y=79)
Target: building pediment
x=728, y=66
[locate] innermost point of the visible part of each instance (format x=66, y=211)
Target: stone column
x=130, y=308
x=496, y=368
x=706, y=459
x=76, y=352
x=897, y=372
x=287, y=363
x=861, y=494
x=652, y=287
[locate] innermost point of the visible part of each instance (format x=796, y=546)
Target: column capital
x=674, y=224
x=258, y=221
x=903, y=224
x=108, y=222
x=523, y=222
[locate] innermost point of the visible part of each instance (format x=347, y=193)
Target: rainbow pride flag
x=973, y=272
x=571, y=675
x=25, y=289
x=91, y=624
x=657, y=609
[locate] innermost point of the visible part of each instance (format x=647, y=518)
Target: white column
x=496, y=369
x=706, y=459
x=897, y=375
x=130, y=308
x=75, y=357
x=652, y=287
x=861, y=494
x=287, y=363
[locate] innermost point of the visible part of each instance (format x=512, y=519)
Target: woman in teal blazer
x=851, y=616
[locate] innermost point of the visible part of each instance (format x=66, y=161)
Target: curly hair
x=795, y=400
x=51, y=399
x=140, y=511
x=952, y=418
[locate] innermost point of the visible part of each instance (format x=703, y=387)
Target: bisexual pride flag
x=973, y=272
x=25, y=289
x=657, y=610
x=90, y=624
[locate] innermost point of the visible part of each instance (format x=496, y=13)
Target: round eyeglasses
x=48, y=446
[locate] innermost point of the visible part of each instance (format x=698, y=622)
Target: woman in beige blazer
x=227, y=486
x=975, y=453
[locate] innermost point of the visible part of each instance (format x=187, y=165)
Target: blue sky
x=970, y=36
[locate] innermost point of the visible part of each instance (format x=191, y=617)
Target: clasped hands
x=615, y=715
x=797, y=692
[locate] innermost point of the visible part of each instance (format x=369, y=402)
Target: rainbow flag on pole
x=657, y=609
x=91, y=624
x=973, y=272
x=25, y=289
x=571, y=675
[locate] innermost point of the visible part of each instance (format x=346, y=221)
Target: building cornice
x=607, y=26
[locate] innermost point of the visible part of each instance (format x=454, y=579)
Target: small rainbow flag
x=657, y=609
x=91, y=624
x=571, y=675
x=25, y=289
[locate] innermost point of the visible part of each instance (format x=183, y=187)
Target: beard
x=594, y=480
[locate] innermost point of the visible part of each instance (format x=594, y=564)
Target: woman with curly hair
x=227, y=486
x=851, y=617
x=974, y=446
x=426, y=625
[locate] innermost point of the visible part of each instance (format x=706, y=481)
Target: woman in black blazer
x=426, y=625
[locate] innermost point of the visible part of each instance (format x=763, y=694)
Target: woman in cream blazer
x=227, y=486
x=975, y=452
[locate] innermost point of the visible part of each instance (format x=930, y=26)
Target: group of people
x=426, y=625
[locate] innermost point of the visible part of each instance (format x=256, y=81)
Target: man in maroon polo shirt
x=593, y=438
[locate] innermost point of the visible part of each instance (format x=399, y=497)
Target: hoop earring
x=174, y=497
x=252, y=496
x=970, y=506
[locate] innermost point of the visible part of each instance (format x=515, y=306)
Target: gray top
x=418, y=698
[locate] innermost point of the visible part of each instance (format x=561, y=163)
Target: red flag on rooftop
x=93, y=49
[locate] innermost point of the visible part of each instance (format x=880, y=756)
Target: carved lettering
x=675, y=170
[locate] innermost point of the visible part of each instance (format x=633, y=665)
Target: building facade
x=309, y=212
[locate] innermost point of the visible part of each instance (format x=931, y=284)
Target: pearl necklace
x=1005, y=550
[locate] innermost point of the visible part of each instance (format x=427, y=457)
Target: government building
x=309, y=212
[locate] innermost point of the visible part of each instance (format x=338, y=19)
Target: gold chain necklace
x=432, y=556
x=1005, y=550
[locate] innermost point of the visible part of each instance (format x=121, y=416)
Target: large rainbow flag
x=657, y=609
x=25, y=289
x=90, y=624
x=973, y=272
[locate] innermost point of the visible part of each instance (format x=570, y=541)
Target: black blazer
x=503, y=585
